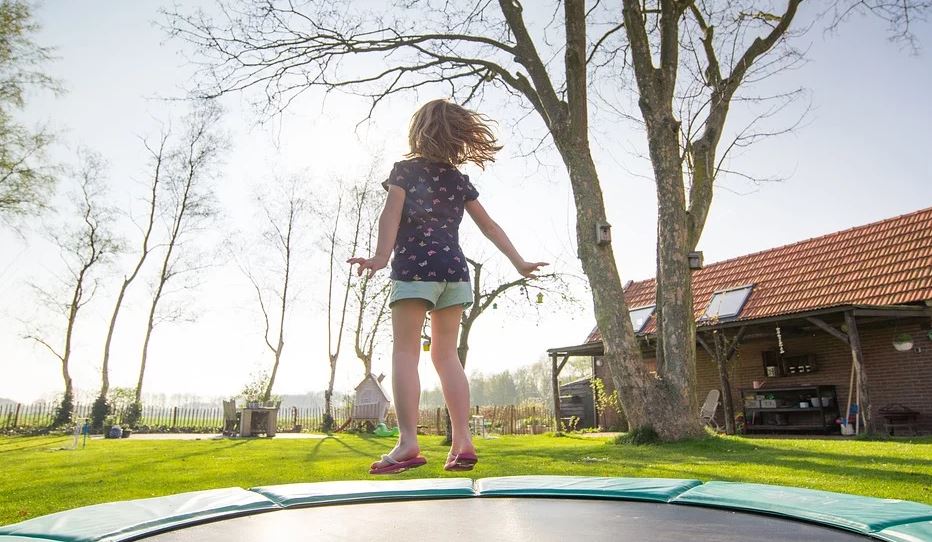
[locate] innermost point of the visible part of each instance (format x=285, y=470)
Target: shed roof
x=378, y=385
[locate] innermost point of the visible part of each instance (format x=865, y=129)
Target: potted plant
x=903, y=342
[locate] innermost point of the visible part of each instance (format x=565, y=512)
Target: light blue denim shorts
x=437, y=295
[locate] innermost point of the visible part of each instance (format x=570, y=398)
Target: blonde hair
x=442, y=131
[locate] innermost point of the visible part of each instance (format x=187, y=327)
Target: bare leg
x=444, y=327
x=407, y=320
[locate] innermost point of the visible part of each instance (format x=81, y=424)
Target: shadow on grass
x=16, y=444
x=726, y=459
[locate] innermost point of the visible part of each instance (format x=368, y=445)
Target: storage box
x=751, y=403
x=768, y=403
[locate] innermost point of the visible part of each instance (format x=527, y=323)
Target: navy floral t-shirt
x=427, y=247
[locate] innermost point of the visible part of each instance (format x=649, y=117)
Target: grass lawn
x=37, y=477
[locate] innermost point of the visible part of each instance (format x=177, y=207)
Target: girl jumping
x=427, y=196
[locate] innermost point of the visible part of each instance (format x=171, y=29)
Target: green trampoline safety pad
x=919, y=531
x=634, y=489
x=865, y=515
x=365, y=490
x=127, y=519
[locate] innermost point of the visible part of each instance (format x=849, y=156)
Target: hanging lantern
x=426, y=345
x=540, y=298
x=494, y=306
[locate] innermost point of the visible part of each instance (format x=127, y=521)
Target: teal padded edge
x=634, y=489
x=123, y=520
x=865, y=515
x=920, y=531
x=365, y=490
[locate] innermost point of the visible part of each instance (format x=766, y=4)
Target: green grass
x=37, y=477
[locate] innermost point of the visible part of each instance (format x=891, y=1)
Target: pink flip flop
x=393, y=466
x=460, y=462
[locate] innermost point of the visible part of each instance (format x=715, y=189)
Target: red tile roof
x=884, y=263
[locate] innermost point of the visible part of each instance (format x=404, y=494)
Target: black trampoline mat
x=507, y=519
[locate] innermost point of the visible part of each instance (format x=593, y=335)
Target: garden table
x=257, y=420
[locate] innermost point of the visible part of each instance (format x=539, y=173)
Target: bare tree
x=487, y=297
x=189, y=204
x=158, y=157
x=83, y=249
x=470, y=48
x=336, y=247
x=371, y=293
x=285, y=217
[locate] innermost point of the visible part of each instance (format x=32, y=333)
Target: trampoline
x=513, y=508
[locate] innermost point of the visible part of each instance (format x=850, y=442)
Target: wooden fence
x=502, y=419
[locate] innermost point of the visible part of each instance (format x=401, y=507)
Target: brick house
x=813, y=319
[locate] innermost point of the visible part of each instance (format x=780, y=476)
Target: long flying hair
x=442, y=131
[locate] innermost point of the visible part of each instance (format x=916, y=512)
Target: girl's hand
x=527, y=269
x=372, y=264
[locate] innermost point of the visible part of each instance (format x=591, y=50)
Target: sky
x=860, y=155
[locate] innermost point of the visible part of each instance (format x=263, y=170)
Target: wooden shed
x=577, y=401
x=371, y=402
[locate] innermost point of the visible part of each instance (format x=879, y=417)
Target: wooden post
x=438, y=420
x=857, y=357
x=174, y=415
x=16, y=415
x=554, y=373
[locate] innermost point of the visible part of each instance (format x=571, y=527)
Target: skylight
x=727, y=303
x=640, y=316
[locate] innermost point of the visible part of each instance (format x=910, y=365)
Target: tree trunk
x=728, y=406
x=662, y=404
x=677, y=343
x=105, y=366
x=328, y=396
x=145, y=345
x=268, y=389
x=66, y=407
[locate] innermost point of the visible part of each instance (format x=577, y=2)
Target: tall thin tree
x=285, y=218
x=189, y=204
x=337, y=247
x=83, y=249
x=158, y=156
x=371, y=294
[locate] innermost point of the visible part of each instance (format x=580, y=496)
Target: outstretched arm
x=388, y=231
x=497, y=235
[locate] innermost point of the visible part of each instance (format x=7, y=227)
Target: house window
x=640, y=316
x=727, y=303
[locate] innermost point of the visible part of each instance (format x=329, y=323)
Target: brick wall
x=899, y=377
x=892, y=377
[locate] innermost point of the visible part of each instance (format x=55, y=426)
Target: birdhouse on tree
x=371, y=402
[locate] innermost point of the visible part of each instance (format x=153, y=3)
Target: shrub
x=64, y=411
x=99, y=412
x=133, y=415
